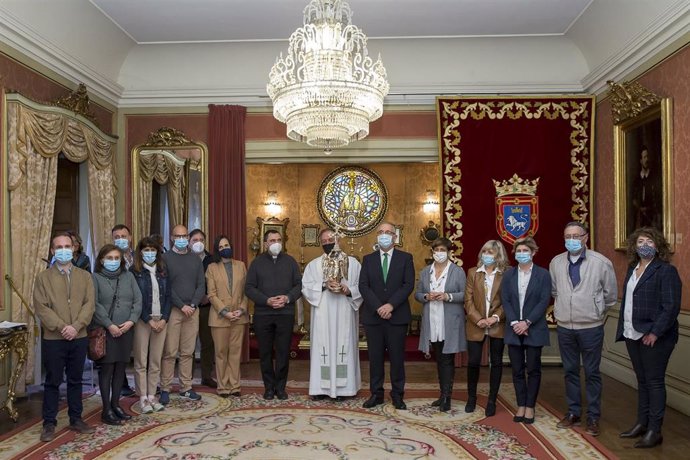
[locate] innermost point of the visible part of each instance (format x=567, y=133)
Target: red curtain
x=227, y=204
x=486, y=139
x=227, y=198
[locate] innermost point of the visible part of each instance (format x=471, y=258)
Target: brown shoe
x=81, y=427
x=48, y=433
x=592, y=427
x=568, y=421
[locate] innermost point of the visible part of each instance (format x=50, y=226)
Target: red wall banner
x=494, y=150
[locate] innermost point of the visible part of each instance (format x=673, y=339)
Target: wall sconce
x=431, y=204
x=273, y=208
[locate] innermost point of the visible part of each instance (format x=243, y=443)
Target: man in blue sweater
x=274, y=283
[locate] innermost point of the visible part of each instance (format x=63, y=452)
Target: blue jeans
x=585, y=343
x=63, y=357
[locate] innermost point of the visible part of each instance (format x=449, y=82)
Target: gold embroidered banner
x=487, y=139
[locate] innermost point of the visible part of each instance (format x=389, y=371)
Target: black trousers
x=380, y=338
x=474, y=352
x=111, y=378
x=649, y=364
x=63, y=357
x=445, y=366
x=207, y=350
x=274, y=332
x=526, y=364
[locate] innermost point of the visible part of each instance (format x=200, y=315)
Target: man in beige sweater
x=64, y=302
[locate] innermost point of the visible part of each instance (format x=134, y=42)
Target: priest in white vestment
x=330, y=284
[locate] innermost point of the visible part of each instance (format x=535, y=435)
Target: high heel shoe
x=109, y=418
x=120, y=413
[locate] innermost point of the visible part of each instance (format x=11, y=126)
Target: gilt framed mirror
x=169, y=184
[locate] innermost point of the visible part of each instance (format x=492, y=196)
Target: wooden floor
x=618, y=407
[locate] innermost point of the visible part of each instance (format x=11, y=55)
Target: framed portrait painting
x=644, y=183
x=278, y=225
x=310, y=235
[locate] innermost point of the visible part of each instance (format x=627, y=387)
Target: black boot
x=472, y=379
x=446, y=378
x=650, y=439
x=494, y=384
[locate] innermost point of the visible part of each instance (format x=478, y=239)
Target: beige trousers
x=228, y=344
x=181, y=337
x=148, y=354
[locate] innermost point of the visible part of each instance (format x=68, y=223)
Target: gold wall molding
x=629, y=99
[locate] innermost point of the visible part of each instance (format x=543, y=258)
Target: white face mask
x=440, y=257
x=275, y=249
x=198, y=247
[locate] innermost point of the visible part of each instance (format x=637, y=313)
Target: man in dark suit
x=385, y=282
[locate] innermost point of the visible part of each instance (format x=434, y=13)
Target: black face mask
x=225, y=253
x=327, y=248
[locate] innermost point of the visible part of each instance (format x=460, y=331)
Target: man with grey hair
x=385, y=282
x=584, y=288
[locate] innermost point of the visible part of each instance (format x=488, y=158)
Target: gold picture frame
x=310, y=235
x=399, y=234
x=273, y=223
x=642, y=141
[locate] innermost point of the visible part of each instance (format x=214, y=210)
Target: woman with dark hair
x=485, y=319
x=441, y=289
x=118, y=307
x=225, y=280
x=648, y=323
x=526, y=293
x=149, y=270
x=80, y=260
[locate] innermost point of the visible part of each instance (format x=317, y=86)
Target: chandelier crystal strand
x=327, y=89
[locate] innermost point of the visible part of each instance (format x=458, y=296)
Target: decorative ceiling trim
x=364, y=151
x=667, y=29
x=23, y=39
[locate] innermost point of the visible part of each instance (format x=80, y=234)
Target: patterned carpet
x=298, y=428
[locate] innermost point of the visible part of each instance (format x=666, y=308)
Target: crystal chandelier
x=327, y=89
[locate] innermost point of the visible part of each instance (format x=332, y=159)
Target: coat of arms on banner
x=517, y=208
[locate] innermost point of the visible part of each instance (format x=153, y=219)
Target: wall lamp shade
x=431, y=204
x=327, y=89
x=273, y=207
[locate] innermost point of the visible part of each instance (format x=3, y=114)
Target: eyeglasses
x=574, y=237
x=179, y=236
x=385, y=232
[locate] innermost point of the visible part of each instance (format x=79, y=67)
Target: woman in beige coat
x=485, y=318
x=225, y=279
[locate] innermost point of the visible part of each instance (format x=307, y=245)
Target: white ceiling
x=184, y=21
x=190, y=53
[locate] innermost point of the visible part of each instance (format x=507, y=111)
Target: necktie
x=385, y=266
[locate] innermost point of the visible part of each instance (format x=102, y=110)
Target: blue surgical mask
x=226, y=253
x=646, y=251
x=149, y=256
x=385, y=241
x=111, y=265
x=523, y=257
x=181, y=243
x=573, y=245
x=63, y=255
x=122, y=243
x=488, y=259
